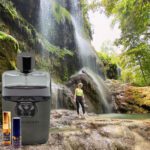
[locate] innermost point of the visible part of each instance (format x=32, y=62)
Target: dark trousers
x=79, y=100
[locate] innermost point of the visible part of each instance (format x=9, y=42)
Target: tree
x=133, y=16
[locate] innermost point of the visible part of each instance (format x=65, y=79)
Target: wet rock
x=93, y=133
x=128, y=98
x=29, y=9
x=62, y=97
x=97, y=96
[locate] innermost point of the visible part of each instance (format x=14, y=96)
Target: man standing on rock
x=79, y=99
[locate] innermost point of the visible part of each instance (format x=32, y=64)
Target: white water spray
x=101, y=88
x=45, y=17
x=87, y=54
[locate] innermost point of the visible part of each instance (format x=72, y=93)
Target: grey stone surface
x=68, y=132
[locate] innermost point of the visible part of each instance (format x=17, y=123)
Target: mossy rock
x=0, y=103
x=8, y=50
x=138, y=98
x=60, y=13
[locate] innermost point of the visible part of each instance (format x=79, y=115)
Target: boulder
x=97, y=96
x=62, y=97
x=8, y=49
x=128, y=98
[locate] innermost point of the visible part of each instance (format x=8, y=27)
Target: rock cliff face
x=129, y=99
x=20, y=19
x=96, y=94
x=9, y=48
x=29, y=9
x=63, y=36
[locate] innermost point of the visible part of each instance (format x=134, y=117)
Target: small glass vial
x=6, y=128
x=16, y=132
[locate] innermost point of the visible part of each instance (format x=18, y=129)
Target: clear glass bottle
x=6, y=128
x=26, y=93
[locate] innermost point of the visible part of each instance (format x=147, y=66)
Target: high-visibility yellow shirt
x=79, y=92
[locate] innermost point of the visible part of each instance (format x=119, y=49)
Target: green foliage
x=30, y=40
x=17, y=23
x=133, y=16
x=87, y=25
x=57, y=67
x=138, y=99
x=3, y=27
x=94, y=5
x=60, y=13
x=104, y=57
x=110, y=65
x=8, y=50
x=28, y=31
x=54, y=50
x=9, y=6
x=137, y=61
x=128, y=76
x=0, y=109
x=64, y=71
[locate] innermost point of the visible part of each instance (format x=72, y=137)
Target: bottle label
x=6, y=137
x=16, y=141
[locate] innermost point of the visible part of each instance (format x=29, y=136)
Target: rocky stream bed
x=95, y=132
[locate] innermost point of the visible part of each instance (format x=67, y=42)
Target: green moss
x=9, y=48
x=3, y=27
x=9, y=6
x=60, y=13
x=0, y=110
x=87, y=25
x=60, y=53
x=65, y=73
x=31, y=37
x=6, y=37
x=137, y=109
x=28, y=30
x=138, y=99
x=18, y=24
x=30, y=40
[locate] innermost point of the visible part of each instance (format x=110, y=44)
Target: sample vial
x=16, y=132
x=6, y=128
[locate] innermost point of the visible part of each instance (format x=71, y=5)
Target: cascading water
x=56, y=99
x=45, y=27
x=45, y=17
x=45, y=20
x=103, y=92
x=87, y=54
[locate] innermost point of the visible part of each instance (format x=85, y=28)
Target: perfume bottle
x=26, y=94
x=6, y=128
x=16, y=132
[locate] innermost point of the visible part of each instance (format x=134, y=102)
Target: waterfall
x=56, y=100
x=87, y=54
x=85, y=51
x=101, y=88
x=45, y=17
